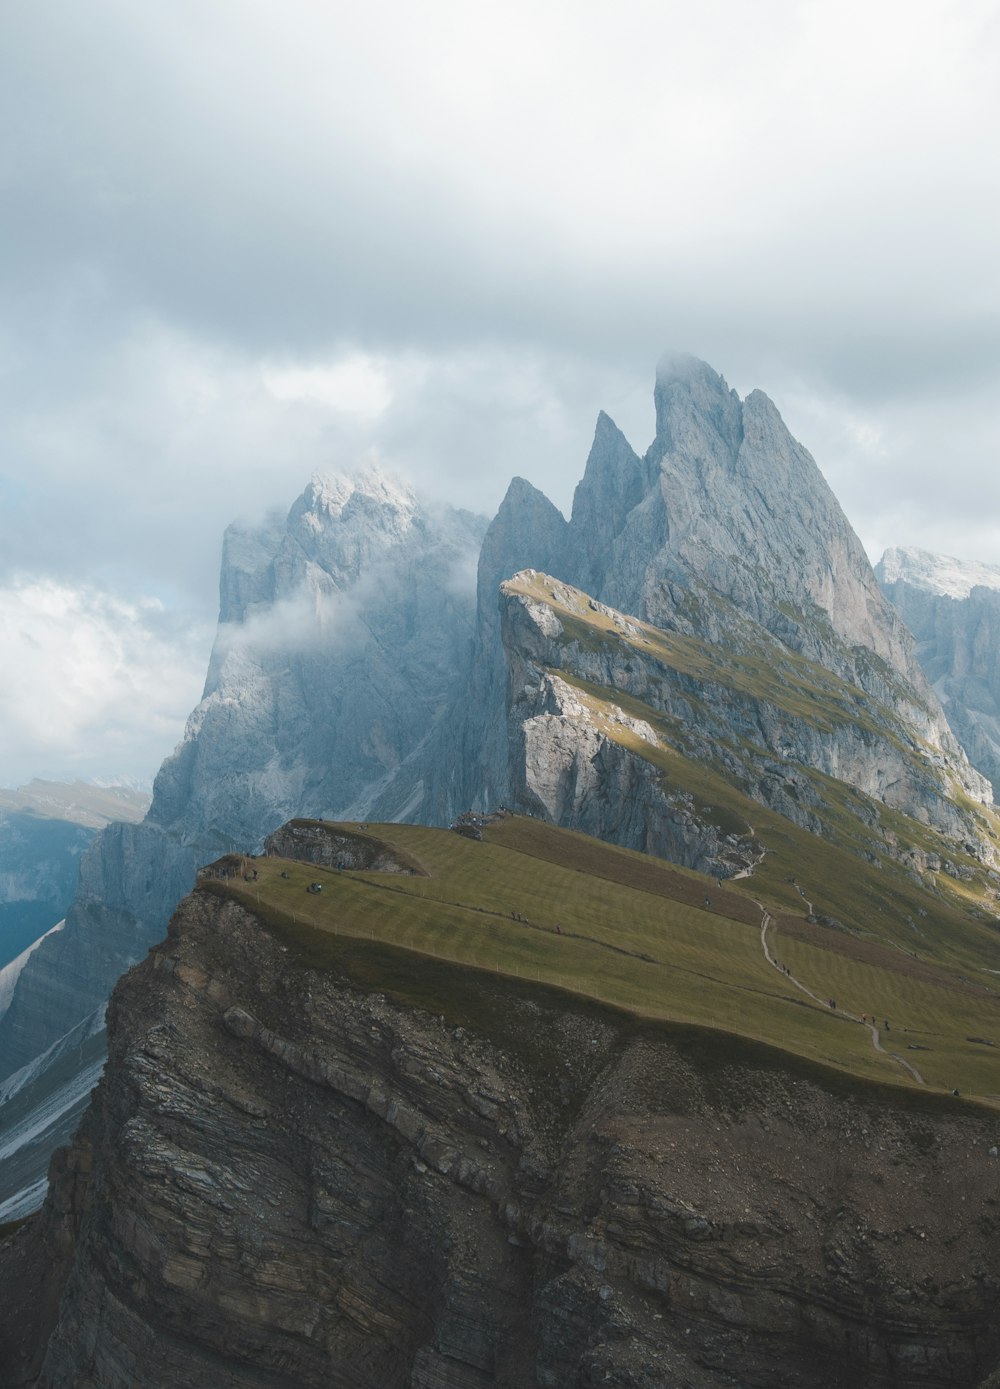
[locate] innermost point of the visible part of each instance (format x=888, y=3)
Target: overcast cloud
x=242, y=242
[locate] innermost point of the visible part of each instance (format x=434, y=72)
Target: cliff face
x=344, y=632
x=311, y=1184
x=342, y=637
x=726, y=519
x=953, y=610
x=725, y=531
x=353, y=677
x=587, y=685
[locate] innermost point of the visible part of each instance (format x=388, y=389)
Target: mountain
x=725, y=532
x=510, y=1108
x=44, y=828
x=952, y=607
x=699, y=653
x=342, y=627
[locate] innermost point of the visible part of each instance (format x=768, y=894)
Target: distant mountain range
x=44, y=829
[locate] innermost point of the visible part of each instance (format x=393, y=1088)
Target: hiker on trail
x=886, y=1022
x=558, y=930
x=708, y=901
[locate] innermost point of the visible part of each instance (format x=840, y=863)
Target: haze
x=243, y=243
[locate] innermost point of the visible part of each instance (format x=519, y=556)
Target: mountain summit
x=700, y=647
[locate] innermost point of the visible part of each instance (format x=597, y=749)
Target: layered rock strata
x=766, y=726
x=288, y=1180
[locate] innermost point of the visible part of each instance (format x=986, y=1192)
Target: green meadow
x=550, y=908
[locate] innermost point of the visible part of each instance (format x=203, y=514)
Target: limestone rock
x=343, y=637
x=953, y=609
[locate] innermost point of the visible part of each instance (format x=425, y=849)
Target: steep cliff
x=388, y=1172
x=727, y=519
x=952, y=607
x=353, y=677
x=607, y=714
x=344, y=633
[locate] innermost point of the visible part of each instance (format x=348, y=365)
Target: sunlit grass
x=552, y=908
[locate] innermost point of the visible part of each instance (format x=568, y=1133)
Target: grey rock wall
x=344, y=636
x=957, y=629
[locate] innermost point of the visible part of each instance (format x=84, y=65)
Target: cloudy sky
x=243, y=241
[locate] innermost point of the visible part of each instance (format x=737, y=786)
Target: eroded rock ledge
x=287, y=1180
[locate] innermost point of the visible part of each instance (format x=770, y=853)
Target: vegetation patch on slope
x=540, y=907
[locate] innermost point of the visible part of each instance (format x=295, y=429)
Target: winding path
x=841, y=1012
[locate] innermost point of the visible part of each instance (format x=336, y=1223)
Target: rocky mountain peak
x=527, y=530
x=346, y=496
x=696, y=410
x=942, y=575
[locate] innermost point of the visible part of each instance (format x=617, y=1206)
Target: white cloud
x=356, y=385
x=90, y=685
x=312, y=617
x=243, y=244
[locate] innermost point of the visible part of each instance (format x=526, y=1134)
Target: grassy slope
x=633, y=934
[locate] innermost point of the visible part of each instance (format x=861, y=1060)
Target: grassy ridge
x=953, y=926
x=632, y=934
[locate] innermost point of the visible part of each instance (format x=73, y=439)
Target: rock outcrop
x=952, y=607
x=289, y=1180
x=353, y=678
x=727, y=518
x=588, y=684
x=343, y=637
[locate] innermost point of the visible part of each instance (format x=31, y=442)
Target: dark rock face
x=312, y=841
x=310, y=1185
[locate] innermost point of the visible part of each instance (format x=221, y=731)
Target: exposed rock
x=312, y=841
x=289, y=1182
x=351, y=678
x=344, y=633
x=953, y=610
x=563, y=765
